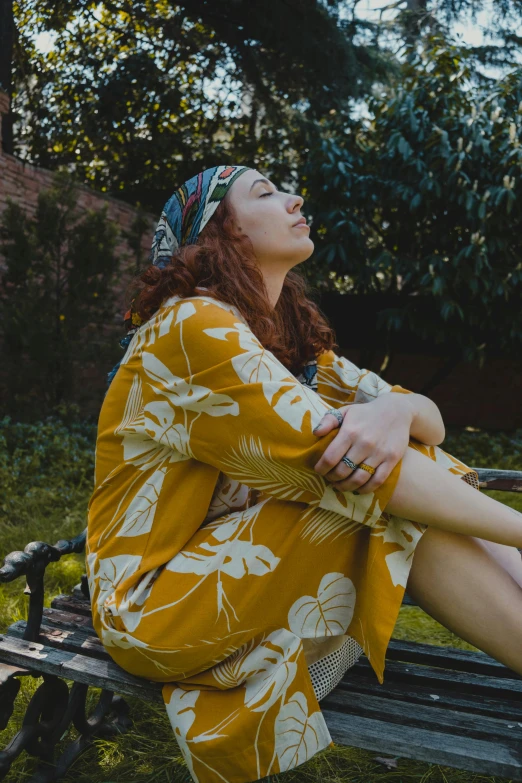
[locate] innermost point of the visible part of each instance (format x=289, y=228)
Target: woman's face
x=268, y=217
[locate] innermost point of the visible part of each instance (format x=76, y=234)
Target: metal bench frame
x=437, y=704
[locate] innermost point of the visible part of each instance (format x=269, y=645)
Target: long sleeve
x=340, y=382
x=211, y=392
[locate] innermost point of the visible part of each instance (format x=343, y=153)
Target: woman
x=233, y=554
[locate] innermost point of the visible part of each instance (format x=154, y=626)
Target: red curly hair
x=223, y=261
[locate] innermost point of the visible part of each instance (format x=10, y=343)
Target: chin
x=308, y=249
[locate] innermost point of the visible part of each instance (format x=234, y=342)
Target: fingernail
x=316, y=428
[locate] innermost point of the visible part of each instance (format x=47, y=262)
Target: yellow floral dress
x=219, y=562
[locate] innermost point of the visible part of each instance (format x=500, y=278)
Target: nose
x=296, y=201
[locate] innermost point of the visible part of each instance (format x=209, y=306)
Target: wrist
x=405, y=402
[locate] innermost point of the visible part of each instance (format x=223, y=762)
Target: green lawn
x=46, y=479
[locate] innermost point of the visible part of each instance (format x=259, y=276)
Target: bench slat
x=449, y=721
x=446, y=680
x=72, y=640
x=436, y=697
x=398, y=650
x=74, y=605
x=507, y=480
x=62, y=619
x=500, y=758
x=80, y=668
x=448, y=658
x=60, y=631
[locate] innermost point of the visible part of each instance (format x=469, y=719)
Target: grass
x=37, y=504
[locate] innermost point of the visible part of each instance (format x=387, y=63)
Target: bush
x=482, y=449
x=45, y=466
x=57, y=297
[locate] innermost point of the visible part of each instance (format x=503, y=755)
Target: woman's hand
x=376, y=433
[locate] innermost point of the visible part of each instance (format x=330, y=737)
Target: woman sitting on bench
x=259, y=500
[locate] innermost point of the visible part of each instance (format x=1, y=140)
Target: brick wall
x=22, y=182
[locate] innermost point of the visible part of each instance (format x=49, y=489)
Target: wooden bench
x=437, y=704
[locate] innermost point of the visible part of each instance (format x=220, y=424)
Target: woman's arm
x=203, y=387
x=340, y=382
x=427, y=424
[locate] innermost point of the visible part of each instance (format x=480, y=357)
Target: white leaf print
x=257, y=365
x=165, y=322
x=136, y=596
x=369, y=384
x=110, y=571
x=297, y=400
x=236, y=559
x=270, y=669
x=133, y=406
x=138, y=447
x=247, y=339
x=140, y=512
x=299, y=736
x=231, y=672
x=294, y=404
x=110, y=637
x=145, y=336
x=187, y=396
x=257, y=469
x=358, y=505
x=404, y=533
x=142, y=452
x=330, y=613
x=180, y=710
x=321, y=525
x=159, y=425
x=224, y=528
x=185, y=310
x=229, y=495
x=90, y=562
x=206, y=301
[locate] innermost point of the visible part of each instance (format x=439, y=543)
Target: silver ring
x=338, y=415
x=348, y=461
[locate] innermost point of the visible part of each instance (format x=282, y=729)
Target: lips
x=301, y=222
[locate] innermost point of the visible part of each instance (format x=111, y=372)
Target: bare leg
x=507, y=556
x=428, y=493
x=460, y=584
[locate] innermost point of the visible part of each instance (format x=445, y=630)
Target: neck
x=274, y=285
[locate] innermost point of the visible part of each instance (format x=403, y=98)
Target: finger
x=380, y=476
x=327, y=423
x=355, y=479
x=330, y=461
x=375, y=481
x=357, y=453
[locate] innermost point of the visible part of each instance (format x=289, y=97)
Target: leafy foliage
x=57, y=296
x=36, y=456
x=422, y=199
x=418, y=198
x=137, y=96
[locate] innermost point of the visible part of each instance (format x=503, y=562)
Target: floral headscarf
x=184, y=216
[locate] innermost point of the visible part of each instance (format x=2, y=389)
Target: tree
x=56, y=295
x=136, y=97
x=408, y=22
x=422, y=200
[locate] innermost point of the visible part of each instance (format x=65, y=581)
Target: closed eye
x=268, y=193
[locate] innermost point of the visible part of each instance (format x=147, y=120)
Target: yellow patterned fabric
x=219, y=562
